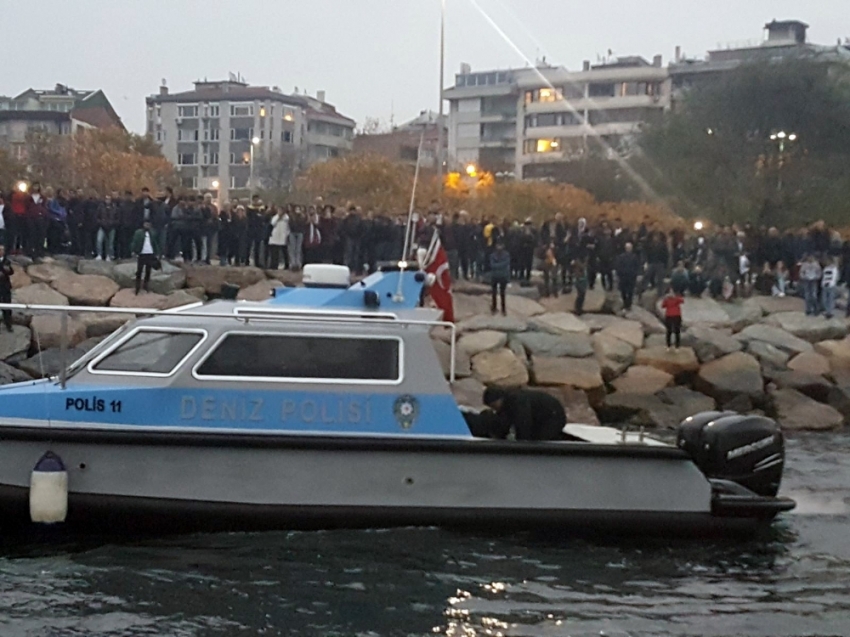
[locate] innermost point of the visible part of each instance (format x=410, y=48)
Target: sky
x=373, y=58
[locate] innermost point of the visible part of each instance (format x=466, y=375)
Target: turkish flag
x=436, y=262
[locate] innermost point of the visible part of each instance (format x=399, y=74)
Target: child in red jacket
x=672, y=304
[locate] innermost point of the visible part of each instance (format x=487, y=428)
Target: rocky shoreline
x=760, y=355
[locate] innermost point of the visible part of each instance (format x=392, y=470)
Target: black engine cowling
x=748, y=450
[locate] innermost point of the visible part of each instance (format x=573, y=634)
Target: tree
x=277, y=171
x=729, y=154
x=10, y=171
x=373, y=126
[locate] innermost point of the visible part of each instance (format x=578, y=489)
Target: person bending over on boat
x=534, y=415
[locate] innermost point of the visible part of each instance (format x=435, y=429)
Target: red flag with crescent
x=436, y=263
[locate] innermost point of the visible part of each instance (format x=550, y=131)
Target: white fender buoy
x=49, y=490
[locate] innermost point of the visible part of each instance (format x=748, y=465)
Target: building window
x=241, y=134
x=286, y=137
x=186, y=159
x=601, y=90
x=533, y=146
x=187, y=135
x=277, y=357
x=262, y=111
x=149, y=352
x=211, y=134
x=187, y=110
x=288, y=113
x=211, y=159
x=211, y=110
x=242, y=110
x=160, y=136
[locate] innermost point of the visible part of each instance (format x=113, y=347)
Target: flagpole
x=399, y=295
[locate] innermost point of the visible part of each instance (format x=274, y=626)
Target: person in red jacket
x=15, y=222
x=672, y=304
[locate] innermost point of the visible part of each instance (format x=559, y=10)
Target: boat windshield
x=95, y=351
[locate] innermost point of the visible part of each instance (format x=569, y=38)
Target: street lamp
x=781, y=137
x=471, y=170
x=22, y=186
x=698, y=226
x=440, y=111
x=254, y=142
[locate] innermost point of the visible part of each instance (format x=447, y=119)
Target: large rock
x=839, y=399
x=463, y=365
x=748, y=312
x=20, y=278
x=794, y=411
x=163, y=281
x=641, y=379
x=179, y=298
x=576, y=404
x=594, y=302
x=86, y=289
x=771, y=358
x=493, y=322
x=666, y=409
x=775, y=336
x=774, y=304
x=837, y=351
x=611, y=368
x=469, y=393
x=38, y=294
x=468, y=305
x=93, y=266
x=500, y=367
x=675, y=361
x=731, y=376
x=260, y=291
x=14, y=342
x=523, y=307
x=682, y=402
x=812, y=385
x=808, y=328
x=9, y=375
x=49, y=362
x=706, y=312
x=810, y=363
x=212, y=277
x=598, y=322
x=629, y=331
x=560, y=323
x=286, y=277
x=48, y=272
x=545, y=344
x=128, y=298
x=650, y=322
x=709, y=343
x=101, y=323
x=47, y=331
x=612, y=348
x=581, y=373
x=474, y=343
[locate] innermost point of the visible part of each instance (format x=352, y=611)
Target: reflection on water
x=430, y=581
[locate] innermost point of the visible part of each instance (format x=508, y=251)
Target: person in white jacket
x=279, y=238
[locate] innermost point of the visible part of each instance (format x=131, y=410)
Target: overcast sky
x=374, y=58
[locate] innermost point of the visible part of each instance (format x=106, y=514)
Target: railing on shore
x=240, y=313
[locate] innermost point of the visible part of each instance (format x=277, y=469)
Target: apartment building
x=402, y=142
x=59, y=111
x=526, y=121
x=221, y=133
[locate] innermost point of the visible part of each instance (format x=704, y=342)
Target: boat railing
x=244, y=316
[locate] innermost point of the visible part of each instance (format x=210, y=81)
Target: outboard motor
x=748, y=450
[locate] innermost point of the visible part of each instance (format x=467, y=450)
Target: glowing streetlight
x=792, y=137
x=781, y=137
x=710, y=131
x=255, y=141
x=699, y=225
x=22, y=186
x=471, y=170
x=215, y=184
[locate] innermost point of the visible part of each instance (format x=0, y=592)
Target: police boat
x=327, y=406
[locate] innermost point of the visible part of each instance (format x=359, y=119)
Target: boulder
x=463, y=366
x=86, y=289
x=560, y=323
x=531, y=292
x=163, y=281
x=197, y=292
x=594, y=302
x=48, y=272
x=611, y=369
x=581, y=373
x=641, y=379
x=775, y=336
x=747, y=312
x=20, y=278
x=812, y=385
x=493, y=322
x=675, y=361
x=14, y=342
x=771, y=358
x=650, y=322
x=49, y=362
x=576, y=405
x=500, y=367
x=20, y=260
x=808, y=328
x=286, y=277
x=666, y=409
x=179, y=298
x=467, y=305
x=810, y=363
x=260, y=291
x=523, y=307
x=612, y=348
x=9, y=375
x=598, y=322
x=706, y=312
x=729, y=376
x=90, y=343
x=470, y=288
x=545, y=344
x=797, y=412
x=836, y=351
x=101, y=323
x=93, y=266
x=775, y=304
x=629, y=331
x=47, y=331
x=839, y=399
x=474, y=343
x=128, y=298
x=469, y=393
x=519, y=351
x=38, y=294
x=212, y=277
x=709, y=343
x=682, y=402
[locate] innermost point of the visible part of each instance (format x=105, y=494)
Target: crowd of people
x=726, y=262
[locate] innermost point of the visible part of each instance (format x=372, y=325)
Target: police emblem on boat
x=406, y=410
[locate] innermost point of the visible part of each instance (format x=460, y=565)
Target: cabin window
x=304, y=358
x=149, y=352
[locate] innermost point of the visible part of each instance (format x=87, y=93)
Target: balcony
x=599, y=103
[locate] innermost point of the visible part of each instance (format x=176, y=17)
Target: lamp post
x=440, y=132
x=254, y=142
x=781, y=138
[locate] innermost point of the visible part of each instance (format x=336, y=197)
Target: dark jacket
x=256, y=216
x=139, y=241
x=533, y=414
x=6, y=272
x=627, y=266
x=107, y=215
x=500, y=265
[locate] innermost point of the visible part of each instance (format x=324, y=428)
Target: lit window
x=262, y=111
x=547, y=145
